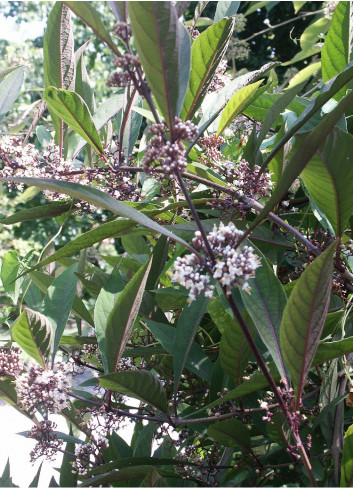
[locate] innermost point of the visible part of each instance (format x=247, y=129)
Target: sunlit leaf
x=32, y=331
x=206, y=53
x=337, y=47
x=72, y=109
x=10, y=87
x=156, y=34
x=347, y=458
x=225, y=9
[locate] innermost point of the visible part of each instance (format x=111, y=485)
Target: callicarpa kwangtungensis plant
x=207, y=300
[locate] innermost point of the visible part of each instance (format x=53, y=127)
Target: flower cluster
x=233, y=266
x=10, y=363
x=44, y=389
x=194, y=33
x=211, y=144
x=220, y=78
x=123, y=31
x=168, y=154
x=86, y=455
x=128, y=63
x=48, y=442
x=246, y=180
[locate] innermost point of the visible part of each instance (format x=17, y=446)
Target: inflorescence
x=44, y=389
x=170, y=155
x=233, y=267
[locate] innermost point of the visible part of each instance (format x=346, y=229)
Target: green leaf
x=58, y=49
x=44, y=281
x=11, y=268
x=33, y=333
x=156, y=34
x=347, y=458
x=328, y=90
x=35, y=480
x=304, y=317
x=122, y=316
x=230, y=433
x=104, y=306
x=206, y=53
x=106, y=111
x=225, y=9
x=304, y=74
x=337, y=48
x=197, y=360
x=234, y=349
x=237, y=104
x=67, y=477
x=265, y=304
x=140, y=384
x=101, y=200
x=58, y=302
x=73, y=110
x=332, y=349
x=82, y=81
x=10, y=87
x=329, y=179
x=302, y=155
x=186, y=328
x=86, y=12
x=49, y=210
x=129, y=122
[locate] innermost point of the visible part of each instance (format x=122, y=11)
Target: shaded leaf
x=67, y=477
x=156, y=34
x=58, y=302
x=332, y=349
x=230, y=433
x=122, y=316
x=73, y=110
x=234, y=351
x=265, y=304
x=304, y=317
x=206, y=53
x=329, y=178
x=35, y=480
x=33, y=333
x=186, y=328
x=347, y=459
x=140, y=384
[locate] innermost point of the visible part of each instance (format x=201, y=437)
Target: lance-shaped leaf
x=332, y=349
x=58, y=56
x=99, y=199
x=58, y=302
x=10, y=88
x=49, y=210
x=265, y=304
x=186, y=328
x=231, y=433
x=140, y=384
x=304, y=318
x=106, y=111
x=329, y=178
x=122, y=316
x=86, y=12
x=33, y=333
x=303, y=155
x=347, y=458
x=73, y=110
x=234, y=349
x=58, y=49
x=206, y=53
x=82, y=81
x=237, y=104
x=225, y=9
x=11, y=268
x=105, y=303
x=129, y=122
x=337, y=47
x=156, y=34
